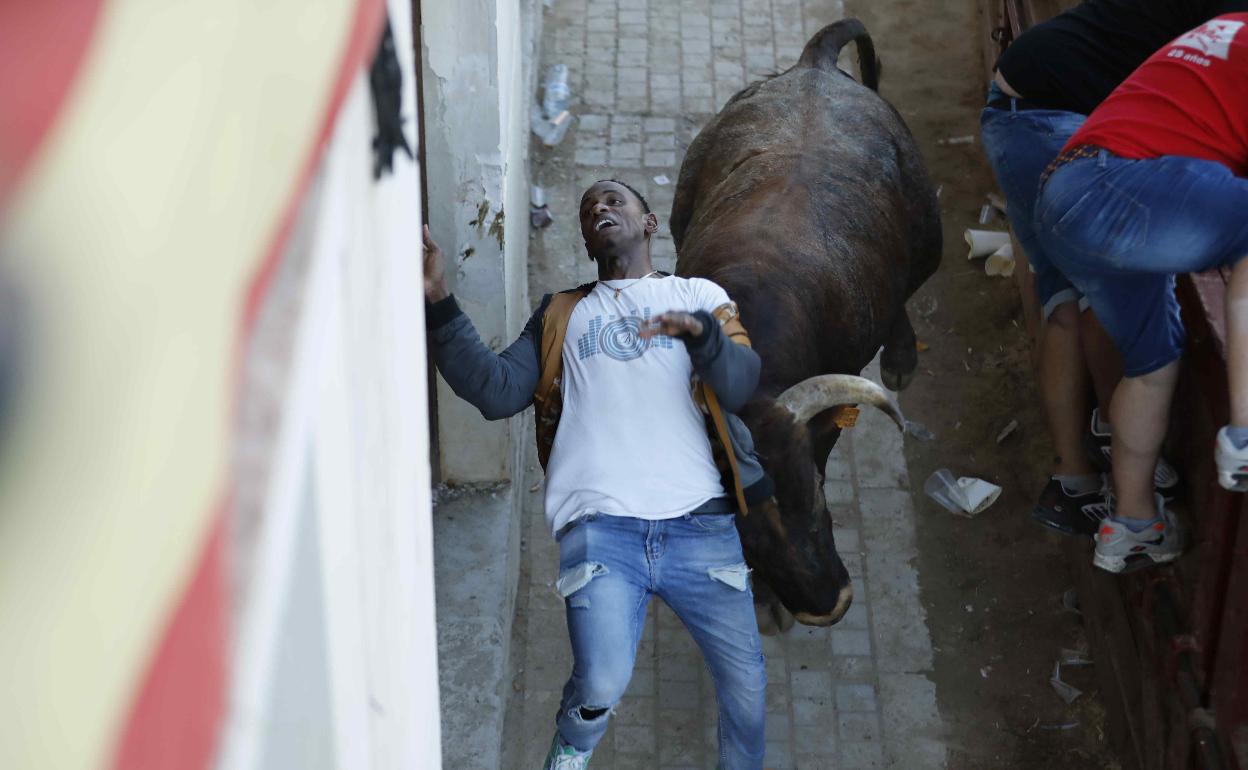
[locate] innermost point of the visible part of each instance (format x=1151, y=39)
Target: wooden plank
x=1229, y=677
x=992, y=27
x=1201, y=408
x=431, y=372
x=1112, y=645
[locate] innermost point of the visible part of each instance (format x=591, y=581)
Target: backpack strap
x=548, y=397
x=719, y=426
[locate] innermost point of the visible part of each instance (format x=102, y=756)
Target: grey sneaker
x=1118, y=549
x=1232, y=464
x=563, y=757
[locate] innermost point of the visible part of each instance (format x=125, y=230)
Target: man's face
x=612, y=219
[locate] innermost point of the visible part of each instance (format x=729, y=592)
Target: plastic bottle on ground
x=556, y=96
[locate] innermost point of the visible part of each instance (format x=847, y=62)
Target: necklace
x=635, y=281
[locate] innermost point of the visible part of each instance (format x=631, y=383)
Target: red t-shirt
x=1189, y=99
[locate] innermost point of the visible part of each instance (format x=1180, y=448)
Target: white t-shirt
x=631, y=441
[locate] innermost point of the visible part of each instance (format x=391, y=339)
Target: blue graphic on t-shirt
x=618, y=338
x=587, y=345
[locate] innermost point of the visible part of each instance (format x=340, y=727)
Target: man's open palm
x=673, y=324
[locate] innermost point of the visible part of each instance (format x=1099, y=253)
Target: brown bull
x=807, y=200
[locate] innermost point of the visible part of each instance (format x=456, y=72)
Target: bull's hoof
x=772, y=618
x=767, y=625
x=784, y=618
x=896, y=380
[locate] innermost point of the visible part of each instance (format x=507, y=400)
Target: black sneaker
x=1068, y=513
x=1166, y=481
x=1098, y=444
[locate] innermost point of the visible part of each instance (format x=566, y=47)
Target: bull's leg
x=900, y=356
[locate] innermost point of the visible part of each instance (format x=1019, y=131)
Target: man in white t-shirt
x=633, y=493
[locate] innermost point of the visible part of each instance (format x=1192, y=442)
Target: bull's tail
x=824, y=48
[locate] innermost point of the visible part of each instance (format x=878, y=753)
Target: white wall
x=337, y=633
x=476, y=121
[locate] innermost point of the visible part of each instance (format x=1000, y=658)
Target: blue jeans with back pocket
x=1121, y=229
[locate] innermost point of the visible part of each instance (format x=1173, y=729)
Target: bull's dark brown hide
x=807, y=200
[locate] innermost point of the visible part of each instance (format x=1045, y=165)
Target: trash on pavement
x=1074, y=658
x=550, y=120
x=539, y=217
x=1064, y=691
x=1063, y=726
x=1001, y=262
x=662, y=179
x=984, y=242
x=551, y=131
x=539, y=212
x=919, y=431
x=1009, y=428
x=979, y=494
x=965, y=496
x=556, y=96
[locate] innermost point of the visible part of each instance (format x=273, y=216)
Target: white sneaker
x=1232, y=464
x=1118, y=549
x=564, y=757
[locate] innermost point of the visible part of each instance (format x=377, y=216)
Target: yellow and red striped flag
x=152, y=155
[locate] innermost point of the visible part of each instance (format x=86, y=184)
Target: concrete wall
x=476, y=121
x=479, y=59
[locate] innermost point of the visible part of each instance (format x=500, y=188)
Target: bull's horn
x=815, y=394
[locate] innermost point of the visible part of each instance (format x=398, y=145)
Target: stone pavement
x=645, y=78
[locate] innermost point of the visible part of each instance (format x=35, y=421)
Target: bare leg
x=1063, y=388
x=1027, y=293
x=1103, y=360
x=1140, y=408
x=1237, y=342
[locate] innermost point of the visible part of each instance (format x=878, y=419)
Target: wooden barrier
x=1169, y=642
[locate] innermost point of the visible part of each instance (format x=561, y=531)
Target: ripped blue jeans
x=609, y=567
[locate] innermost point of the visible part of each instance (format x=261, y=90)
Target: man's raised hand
x=435, y=270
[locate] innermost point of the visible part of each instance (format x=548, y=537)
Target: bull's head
x=788, y=540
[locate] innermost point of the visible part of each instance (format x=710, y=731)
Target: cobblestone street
x=645, y=78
